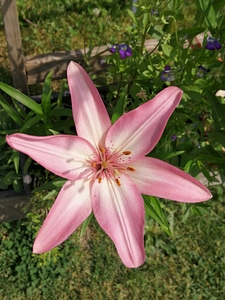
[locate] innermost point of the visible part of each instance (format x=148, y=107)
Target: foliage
x=73, y=29
x=44, y=118
x=188, y=265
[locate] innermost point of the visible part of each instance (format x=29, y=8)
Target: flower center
x=108, y=165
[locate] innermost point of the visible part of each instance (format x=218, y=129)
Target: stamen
x=102, y=150
x=99, y=179
x=93, y=165
x=126, y=152
x=130, y=169
x=117, y=182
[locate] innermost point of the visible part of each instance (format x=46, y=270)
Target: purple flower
x=174, y=138
x=167, y=74
x=201, y=72
x=212, y=44
x=112, y=49
x=123, y=49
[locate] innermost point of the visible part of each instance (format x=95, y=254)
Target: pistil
x=108, y=166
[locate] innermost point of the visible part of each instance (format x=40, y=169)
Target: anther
x=117, y=182
x=102, y=150
x=99, y=179
x=126, y=152
x=130, y=169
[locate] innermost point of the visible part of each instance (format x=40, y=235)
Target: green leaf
x=27, y=165
x=46, y=94
x=153, y=208
x=169, y=51
x=218, y=111
x=209, y=13
x=31, y=122
x=166, y=156
x=9, y=177
x=10, y=111
x=55, y=183
x=119, y=108
x=85, y=224
x=132, y=16
x=16, y=159
x=20, y=97
x=17, y=185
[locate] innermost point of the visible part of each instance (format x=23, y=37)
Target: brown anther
x=130, y=169
x=102, y=150
x=126, y=152
x=93, y=165
x=117, y=182
x=99, y=179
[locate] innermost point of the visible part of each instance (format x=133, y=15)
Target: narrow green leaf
x=31, y=122
x=10, y=111
x=85, y=224
x=132, y=16
x=166, y=156
x=55, y=183
x=46, y=94
x=20, y=97
x=16, y=160
x=209, y=13
x=153, y=208
x=119, y=108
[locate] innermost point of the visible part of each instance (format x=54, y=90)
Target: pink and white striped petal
x=71, y=208
x=119, y=210
x=139, y=130
x=158, y=178
x=64, y=155
x=89, y=112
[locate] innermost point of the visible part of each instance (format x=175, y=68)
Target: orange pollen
x=126, y=152
x=93, y=165
x=102, y=150
x=130, y=169
x=99, y=179
x=117, y=182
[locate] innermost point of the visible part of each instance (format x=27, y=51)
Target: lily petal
x=71, y=208
x=64, y=155
x=89, y=112
x=139, y=130
x=120, y=212
x=158, y=178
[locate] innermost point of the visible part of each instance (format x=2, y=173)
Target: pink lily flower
x=107, y=170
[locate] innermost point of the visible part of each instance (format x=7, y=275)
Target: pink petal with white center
x=71, y=208
x=64, y=155
x=158, y=178
x=139, y=130
x=89, y=112
x=120, y=212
